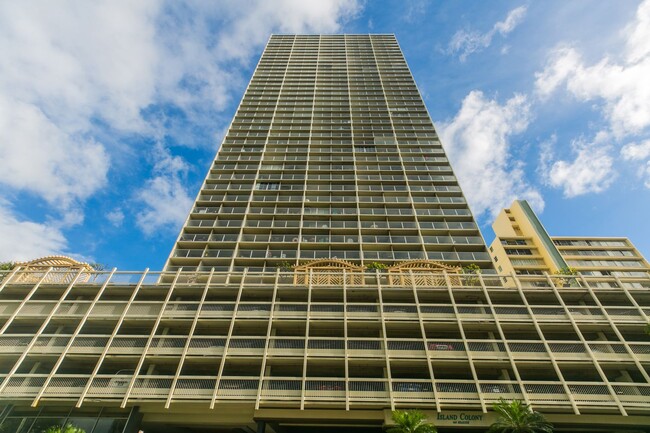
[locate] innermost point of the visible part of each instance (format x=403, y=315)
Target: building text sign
x=461, y=418
x=451, y=418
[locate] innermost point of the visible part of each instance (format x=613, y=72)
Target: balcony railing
x=422, y=392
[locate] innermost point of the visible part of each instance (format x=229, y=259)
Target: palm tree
x=411, y=421
x=517, y=417
x=68, y=428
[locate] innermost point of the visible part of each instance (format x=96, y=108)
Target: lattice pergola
x=63, y=270
x=329, y=272
x=422, y=273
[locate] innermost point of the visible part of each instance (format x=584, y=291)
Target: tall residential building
x=523, y=246
x=331, y=155
x=317, y=285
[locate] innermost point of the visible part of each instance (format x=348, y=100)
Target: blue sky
x=111, y=111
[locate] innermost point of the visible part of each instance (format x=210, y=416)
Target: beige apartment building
x=318, y=284
x=522, y=246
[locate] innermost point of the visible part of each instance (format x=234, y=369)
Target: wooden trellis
x=63, y=270
x=329, y=272
x=423, y=273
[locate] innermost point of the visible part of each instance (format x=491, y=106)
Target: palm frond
x=517, y=417
x=411, y=421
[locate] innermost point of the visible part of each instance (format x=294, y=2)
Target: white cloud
x=638, y=33
x=591, y=171
x=477, y=141
x=636, y=151
x=39, y=157
x=639, y=152
x=73, y=72
x=467, y=42
x=514, y=18
x=248, y=25
x=23, y=240
x=166, y=202
x=623, y=86
x=115, y=217
x=414, y=10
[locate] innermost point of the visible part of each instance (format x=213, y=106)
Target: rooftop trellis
x=62, y=270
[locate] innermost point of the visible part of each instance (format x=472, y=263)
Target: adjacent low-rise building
x=522, y=246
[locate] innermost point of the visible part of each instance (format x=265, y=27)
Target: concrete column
x=134, y=422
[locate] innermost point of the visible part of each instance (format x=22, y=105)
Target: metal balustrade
x=206, y=345
x=591, y=393
x=167, y=345
x=398, y=346
x=533, y=351
x=144, y=309
x=325, y=389
x=194, y=388
x=68, y=385
x=457, y=391
x=567, y=348
x=151, y=387
x=37, y=308
x=88, y=344
x=246, y=344
x=20, y=385
x=14, y=343
x=217, y=309
x=107, y=309
x=495, y=390
x=238, y=388
x=127, y=345
x=442, y=348
x=404, y=390
x=390, y=310
x=328, y=345
x=8, y=307
x=49, y=343
x=443, y=311
x=281, y=389
x=546, y=393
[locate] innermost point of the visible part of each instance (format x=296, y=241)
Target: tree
x=6, y=266
x=68, y=428
x=99, y=267
x=472, y=269
x=517, y=417
x=411, y=421
x=376, y=266
x=566, y=275
x=285, y=266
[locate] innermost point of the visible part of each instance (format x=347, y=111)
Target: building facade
x=331, y=155
x=523, y=246
x=318, y=284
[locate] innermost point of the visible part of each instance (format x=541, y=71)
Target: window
x=513, y=242
x=518, y=252
x=268, y=186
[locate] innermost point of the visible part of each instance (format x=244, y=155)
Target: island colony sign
x=452, y=418
x=461, y=418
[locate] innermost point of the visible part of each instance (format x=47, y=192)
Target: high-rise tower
x=331, y=155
